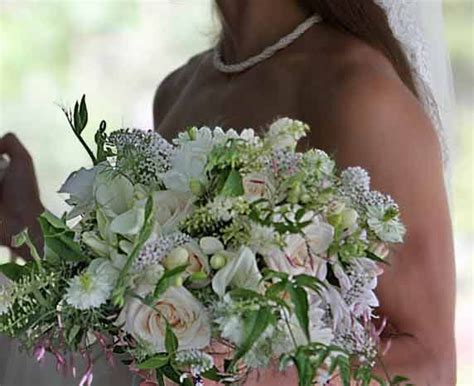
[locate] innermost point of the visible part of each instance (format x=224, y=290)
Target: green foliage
x=167, y=280
x=299, y=298
x=143, y=236
x=78, y=119
x=13, y=271
x=60, y=239
x=232, y=186
x=171, y=341
x=154, y=362
x=254, y=325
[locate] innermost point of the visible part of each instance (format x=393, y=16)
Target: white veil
x=419, y=26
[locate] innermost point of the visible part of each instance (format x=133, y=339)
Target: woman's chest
x=232, y=102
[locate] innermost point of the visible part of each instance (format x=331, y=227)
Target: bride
x=340, y=68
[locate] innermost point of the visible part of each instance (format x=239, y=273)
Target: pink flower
x=39, y=352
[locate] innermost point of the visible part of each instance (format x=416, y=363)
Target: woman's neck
x=248, y=26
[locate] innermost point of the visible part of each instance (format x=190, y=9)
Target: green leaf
x=254, y=324
x=270, y=274
x=72, y=334
x=310, y=282
x=53, y=220
x=143, y=236
x=378, y=259
x=299, y=298
x=245, y=294
x=168, y=279
x=171, y=341
x=159, y=378
x=306, y=371
x=24, y=238
x=83, y=112
x=344, y=370
x=154, y=362
x=80, y=116
x=233, y=186
x=212, y=374
x=13, y=271
x=171, y=373
x=276, y=289
x=398, y=379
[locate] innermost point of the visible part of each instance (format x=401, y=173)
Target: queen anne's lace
x=404, y=19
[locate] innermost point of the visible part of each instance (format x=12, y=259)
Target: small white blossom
x=388, y=228
x=93, y=287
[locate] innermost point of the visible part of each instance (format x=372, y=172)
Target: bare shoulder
x=169, y=88
x=365, y=107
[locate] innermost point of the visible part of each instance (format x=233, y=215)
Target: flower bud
x=196, y=187
x=218, y=261
x=198, y=276
x=336, y=207
x=178, y=256
x=178, y=281
x=334, y=219
x=380, y=249
x=305, y=198
x=210, y=245
x=349, y=217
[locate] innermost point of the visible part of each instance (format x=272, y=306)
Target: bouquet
x=215, y=239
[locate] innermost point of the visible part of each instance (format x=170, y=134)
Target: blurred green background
x=117, y=52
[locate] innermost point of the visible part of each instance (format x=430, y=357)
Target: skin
x=360, y=112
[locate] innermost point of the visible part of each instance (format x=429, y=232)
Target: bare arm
x=375, y=122
x=20, y=203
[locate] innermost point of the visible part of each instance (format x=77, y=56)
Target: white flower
x=318, y=330
x=145, y=280
x=257, y=186
x=340, y=312
x=389, y=229
x=302, y=253
x=262, y=238
x=93, y=287
x=171, y=207
x=113, y=194
x=241, y=272
x=185, y=314
x=131, y=222
x=285, y=133
x=96, y=244
x=80, y=187
x=189, y=161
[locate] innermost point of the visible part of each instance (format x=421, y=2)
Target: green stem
x=384, y=369
x=81, y=140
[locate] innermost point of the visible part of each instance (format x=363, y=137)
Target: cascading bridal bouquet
x=217, y=238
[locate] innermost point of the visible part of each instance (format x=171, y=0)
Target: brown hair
x=367, y=21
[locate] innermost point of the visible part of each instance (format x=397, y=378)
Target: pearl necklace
x=268, y=52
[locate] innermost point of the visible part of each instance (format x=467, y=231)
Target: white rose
x=302, y=254
x=240, y=272
x=186, y=315
x=171, y=207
